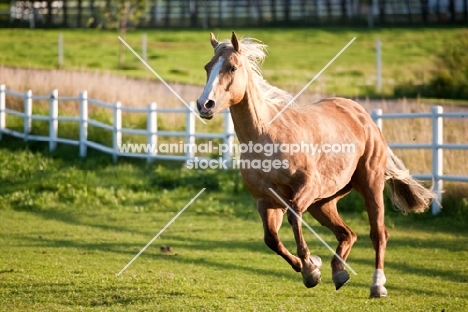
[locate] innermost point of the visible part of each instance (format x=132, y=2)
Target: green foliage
x=450, y=79
x=33, y=179
x=455, y=203
x=125, y=12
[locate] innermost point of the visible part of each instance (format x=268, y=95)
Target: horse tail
x=406, y=193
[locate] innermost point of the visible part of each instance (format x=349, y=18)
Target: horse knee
x=346, y=235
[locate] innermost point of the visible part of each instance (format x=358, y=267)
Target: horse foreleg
x=311, y=265
x=326, y=213
x=272, y=219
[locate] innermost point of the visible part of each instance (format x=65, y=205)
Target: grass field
x=295, y=55
x=69, y=226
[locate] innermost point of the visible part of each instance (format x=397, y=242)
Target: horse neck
x=251, y=115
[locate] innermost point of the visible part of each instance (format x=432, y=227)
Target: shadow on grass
x=212, y=246
x=408, y=269
x=184, y=243
x=404, y=289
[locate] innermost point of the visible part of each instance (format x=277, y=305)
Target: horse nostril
x=210, y=104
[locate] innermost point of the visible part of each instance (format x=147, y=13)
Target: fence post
x=83, y=99
x=27, y=124
x=117, y=133
x=228, y=137
x=437, y=155
x=152, y=128
x=2, y=109
x=190, y=130
x=53, y=120
x=377, y=117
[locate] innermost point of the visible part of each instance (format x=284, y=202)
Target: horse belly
x=334, y=178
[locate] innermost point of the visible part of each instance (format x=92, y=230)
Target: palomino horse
x=310, y=182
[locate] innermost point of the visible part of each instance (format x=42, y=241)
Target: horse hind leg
x=326, y=213
x=370, y=185
x=272, y=219
x=379, y=236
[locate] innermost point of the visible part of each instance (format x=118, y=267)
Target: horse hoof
x=340, y=278
x=312, y=279
x=378, y=291
x=311, y=275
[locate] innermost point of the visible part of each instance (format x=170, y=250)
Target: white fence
x=437, y=146
x=152, y=133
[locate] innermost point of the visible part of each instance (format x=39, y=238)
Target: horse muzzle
x=207, y=109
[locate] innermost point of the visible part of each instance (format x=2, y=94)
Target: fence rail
x=84, y=121
x=152, y=133
x=437, y=146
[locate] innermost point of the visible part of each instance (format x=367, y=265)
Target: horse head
x=227, y=78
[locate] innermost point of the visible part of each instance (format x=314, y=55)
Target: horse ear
x=214, y=41
x=235, y=42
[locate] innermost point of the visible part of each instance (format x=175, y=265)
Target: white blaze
x=212, y=81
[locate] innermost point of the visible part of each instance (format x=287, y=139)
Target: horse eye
x=233, y=69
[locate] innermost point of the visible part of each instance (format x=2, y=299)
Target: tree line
x=218, y=13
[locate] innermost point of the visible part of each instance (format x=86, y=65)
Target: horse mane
x=255, y=52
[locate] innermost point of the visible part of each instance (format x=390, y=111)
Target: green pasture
x=68, y=226
x=295, y=55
